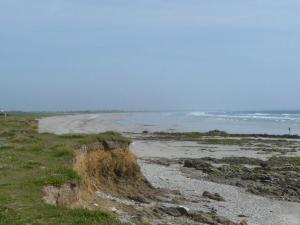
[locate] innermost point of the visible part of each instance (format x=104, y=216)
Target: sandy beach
x=161, y=163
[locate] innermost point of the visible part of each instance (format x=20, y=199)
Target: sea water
x=270, y=122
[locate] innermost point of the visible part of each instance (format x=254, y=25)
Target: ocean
x=270, y=122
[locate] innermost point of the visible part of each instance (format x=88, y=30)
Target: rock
x=240, y=161
x=198, y=164
x=210, y=218
x=215, y=196
x=243, y=222
x=264, y=164
x=138, y=198
x=113, y=209
x=217, y=133
x=183, y=210
x=202, y=218
x=172, y=211
x=265, y=178
x=175, y=211
x=241, y=215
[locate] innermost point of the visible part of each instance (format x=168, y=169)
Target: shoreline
x=108, y=121
x=161, y=156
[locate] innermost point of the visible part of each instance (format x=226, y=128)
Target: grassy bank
x=28, y=161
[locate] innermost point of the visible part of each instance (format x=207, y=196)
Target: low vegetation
x=262, y=143
x=30, y=160
x=225, y=141
x=216, y=133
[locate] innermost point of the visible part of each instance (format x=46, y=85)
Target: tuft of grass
x=4, y=146
x=8, y=216
x=63, y=151
x=58, y=177
x=31, y=164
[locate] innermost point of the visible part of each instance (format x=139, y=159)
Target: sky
x=149, y=55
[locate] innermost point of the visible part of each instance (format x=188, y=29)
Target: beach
x=273, y=122
x=166, y=159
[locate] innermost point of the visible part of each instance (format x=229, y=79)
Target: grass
x=58, y=177
x=107, y=136
x=30, y=160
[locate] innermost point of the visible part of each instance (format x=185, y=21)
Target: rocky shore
x=277, y=177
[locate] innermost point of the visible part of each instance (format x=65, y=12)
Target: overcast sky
x=149, y=54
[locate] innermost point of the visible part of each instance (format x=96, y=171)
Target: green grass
x=29, y=160
x=58, y=177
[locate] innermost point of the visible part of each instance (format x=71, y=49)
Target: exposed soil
x=112, y=168
x=111, y=180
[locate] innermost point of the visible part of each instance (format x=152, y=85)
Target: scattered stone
x=210, y=218
x=113, y=209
